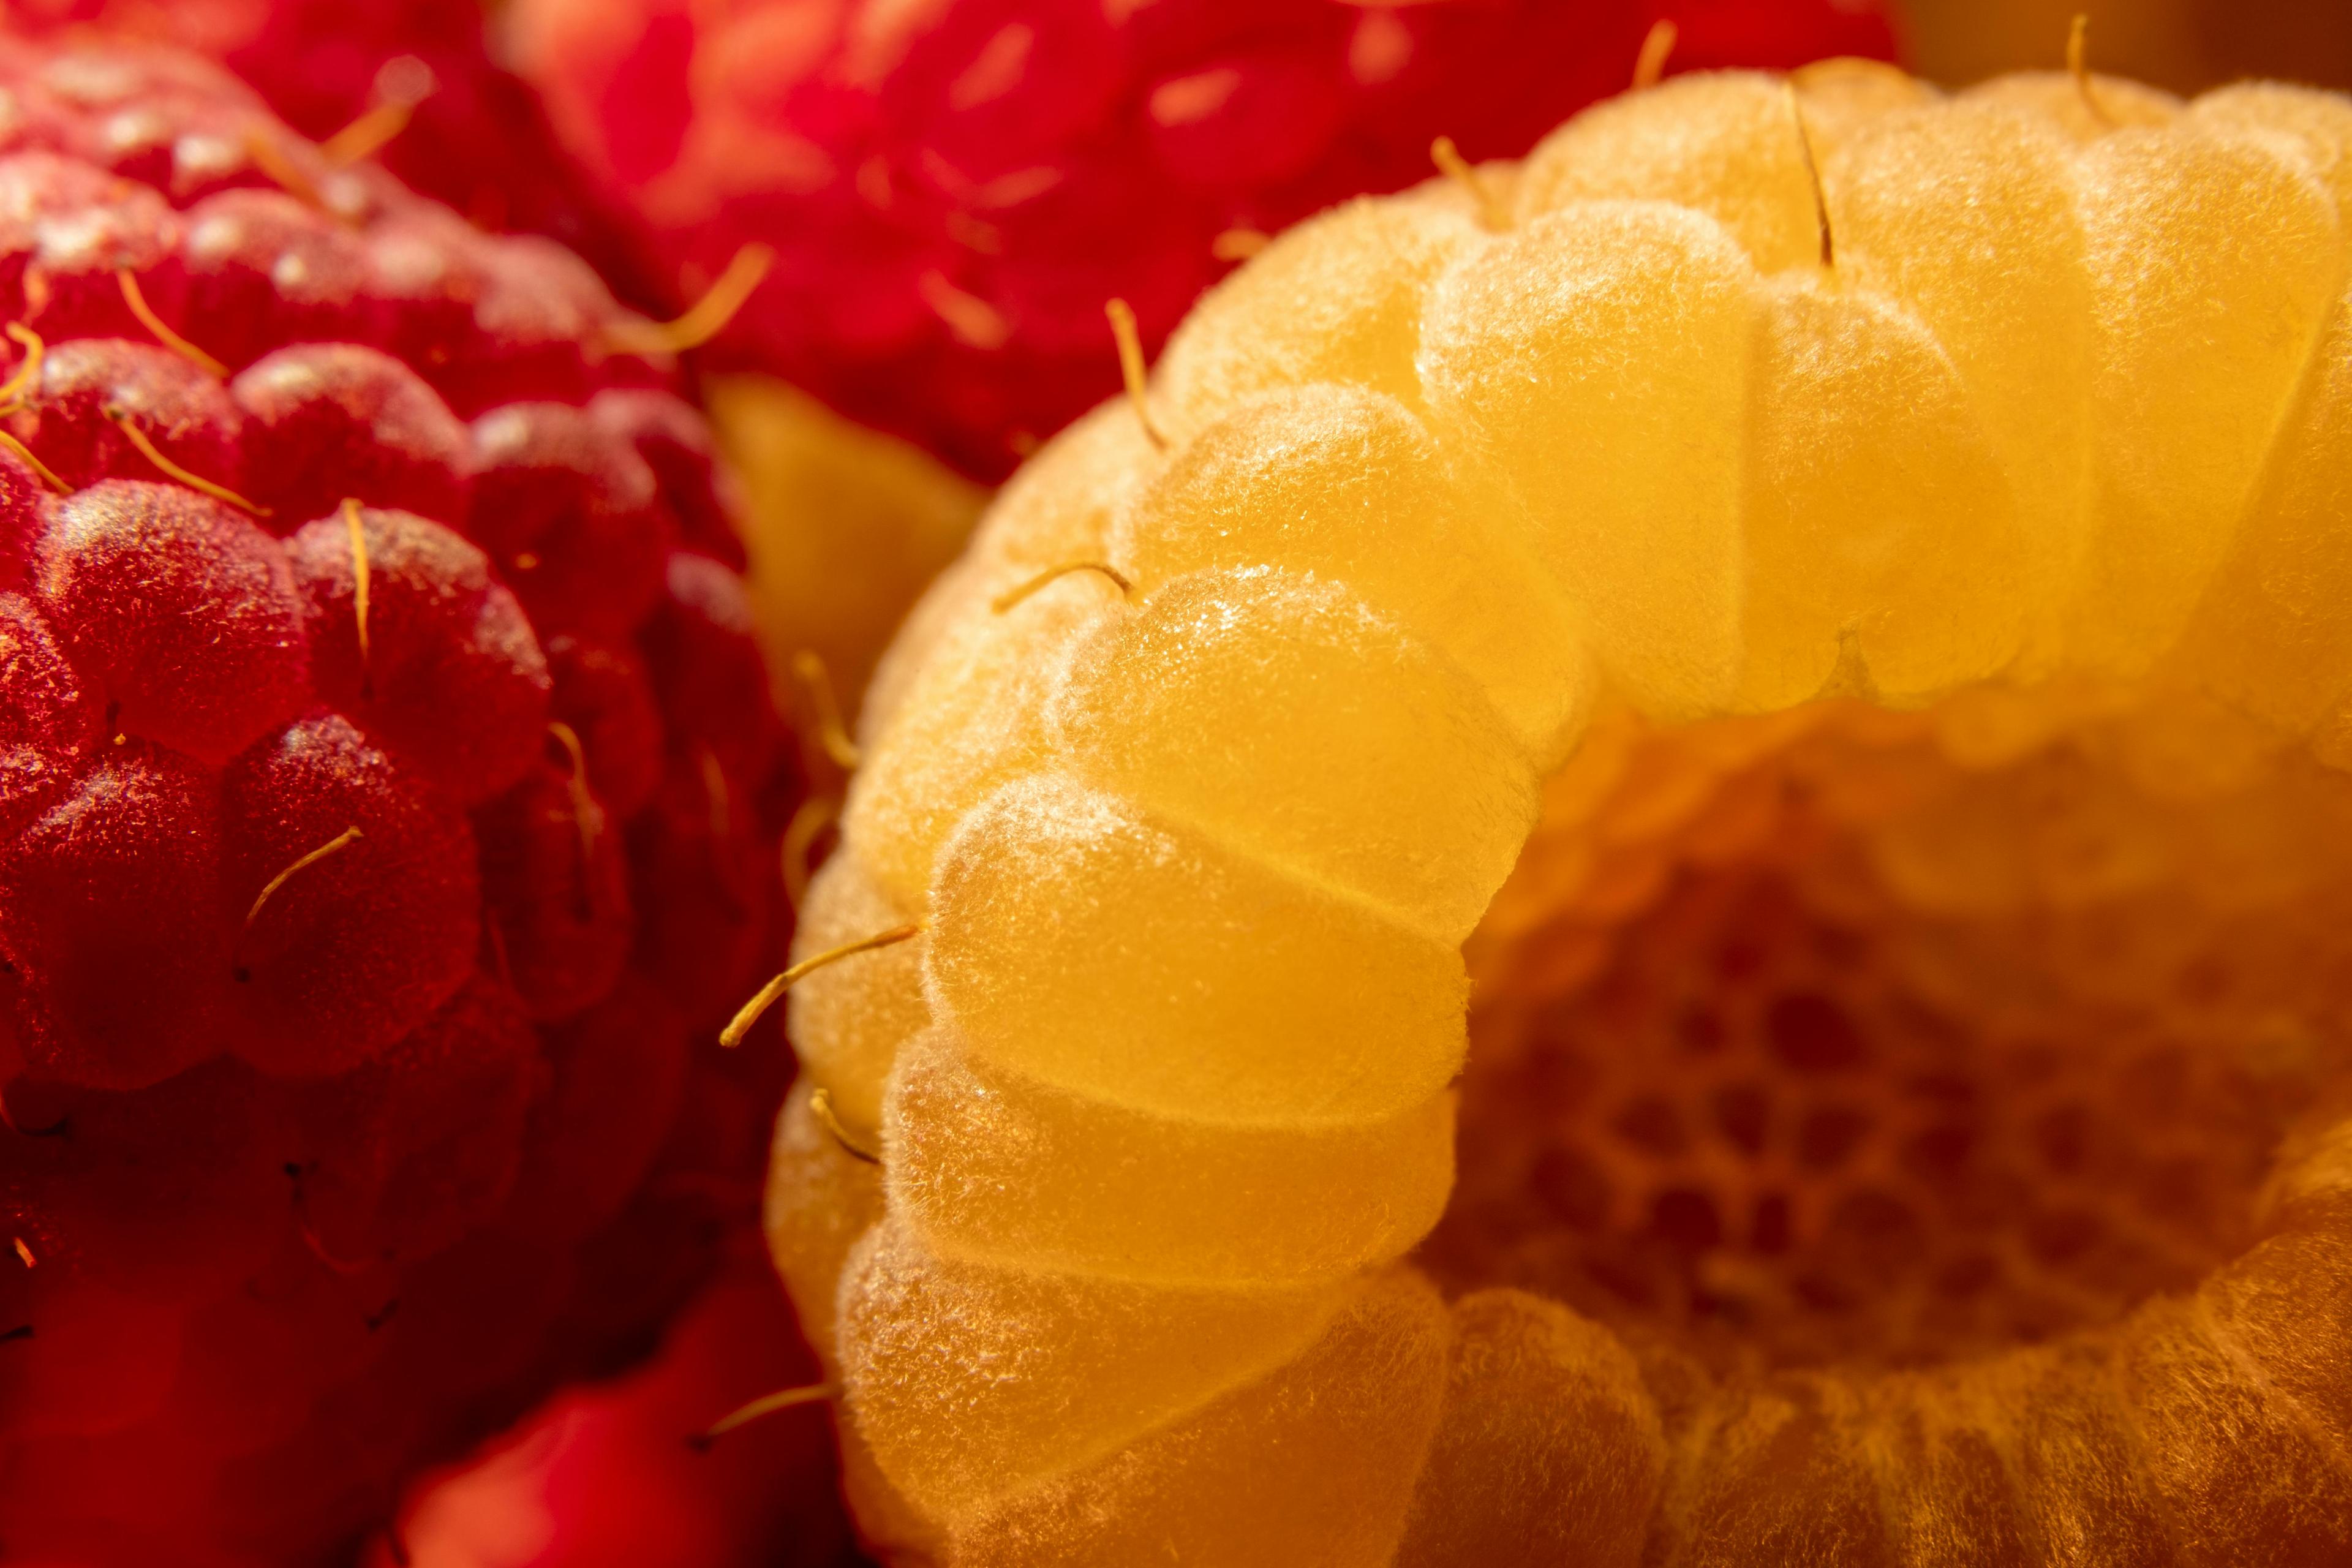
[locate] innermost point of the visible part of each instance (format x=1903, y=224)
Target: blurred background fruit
x=599, y=1475
x=954, y=189
x=2186, y=46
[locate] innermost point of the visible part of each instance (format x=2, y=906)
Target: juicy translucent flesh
x=1079, y=939
x=967, y=1379
x=2060, y=438
x=977, y=1155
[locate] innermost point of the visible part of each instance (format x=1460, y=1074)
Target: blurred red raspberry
x=389, y=806
x=469, y=131
x=601, y=1476
x=953, y=188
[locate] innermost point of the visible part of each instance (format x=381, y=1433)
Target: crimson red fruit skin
x=181, y=608
x=452, y=675
x=118, y=988
x=64, y=413
x=478, y=139
x=604, y=1467
x=390, y=799
x=328, y=420
x=347, y=960
x=953, y=189
x=52, y=717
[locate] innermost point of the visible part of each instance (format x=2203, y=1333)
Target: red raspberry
x=461, y=127
x=390, y=800
x=954, y=189
x=604, y=1469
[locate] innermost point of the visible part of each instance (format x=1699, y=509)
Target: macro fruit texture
x=389, y=792
x=952, y=189
x=411, y=83
x=1647, y=866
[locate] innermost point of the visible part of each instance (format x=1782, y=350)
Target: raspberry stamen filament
x=136, y=298
x=334, y=845
x=969, y=319
x=272, y=161
x=1812, y=174
x=714, y=792
x=749, y=1013
x=832, y=735
x=2078, y=66
x=376, y=125
x=820, y=1107
x=766, y=1405
x=586, y=816
x=26, y=1252
x=18, y=387
x=1130, y=366
x=120, y=417
x=812, y=817
x=1657, y=47
x=48, y=476
x=1492, y=216
x=1013, y=596
x=706, y=317
x=353, y=525
x=1239, y=244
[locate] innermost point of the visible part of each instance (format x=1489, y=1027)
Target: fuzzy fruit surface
x=954, y=189
x=389, y=793
x=1647, y=866
x=473, y=133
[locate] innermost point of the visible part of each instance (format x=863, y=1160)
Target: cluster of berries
x=390, y=788
x=390, y=791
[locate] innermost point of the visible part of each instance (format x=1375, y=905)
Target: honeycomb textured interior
x=1831, y=1041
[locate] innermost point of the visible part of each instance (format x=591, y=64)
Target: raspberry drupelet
x=390, y=794
x=953, y=189
x=417, y=84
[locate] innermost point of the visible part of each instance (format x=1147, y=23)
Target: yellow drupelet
x=1935, y=510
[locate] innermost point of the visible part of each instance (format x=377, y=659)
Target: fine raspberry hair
x=390, y=801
